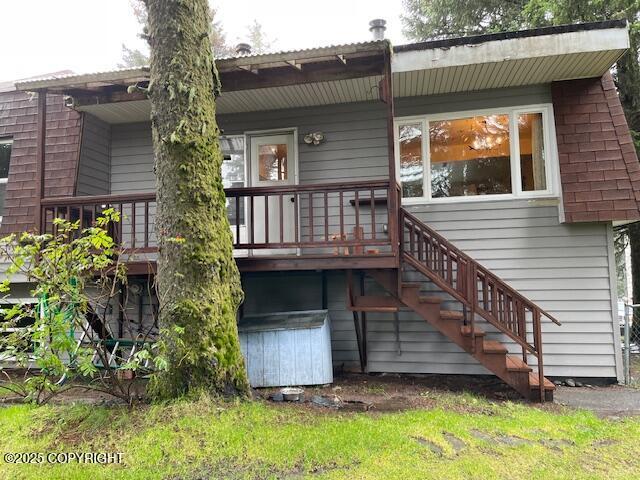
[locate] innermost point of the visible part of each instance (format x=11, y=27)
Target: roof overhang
x=508, y=59
x=319, y=76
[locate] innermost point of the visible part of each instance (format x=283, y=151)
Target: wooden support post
x=40, y=158
x=537, y=331
x=324, y=300
x=363, y=327
x=392, y=201
x=356, y=321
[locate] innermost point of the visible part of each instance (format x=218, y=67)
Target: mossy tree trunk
x=198, y=280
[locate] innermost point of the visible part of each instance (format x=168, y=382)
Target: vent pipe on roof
x=243, y=49
x=377, y=27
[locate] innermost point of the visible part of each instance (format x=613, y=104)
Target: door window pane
x=272, y=162
x=532, y=154
x=470, y=156
x=411, y=165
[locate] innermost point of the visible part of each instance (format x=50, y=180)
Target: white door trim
x=249, y=163
x=273, y=131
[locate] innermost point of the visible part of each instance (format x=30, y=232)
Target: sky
x=44, y=36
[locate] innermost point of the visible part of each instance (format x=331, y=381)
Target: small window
x=532, y=153
x=411, y=164
x=470, y=156
x=5, y=158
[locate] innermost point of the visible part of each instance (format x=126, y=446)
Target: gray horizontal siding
x=355, y=146
x=93, y=170
x=458, y=102
x=132, y=159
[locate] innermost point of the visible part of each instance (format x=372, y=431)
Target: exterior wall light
x=315, y=138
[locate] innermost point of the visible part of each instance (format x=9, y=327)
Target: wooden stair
x=481, y=294
x=492, y=354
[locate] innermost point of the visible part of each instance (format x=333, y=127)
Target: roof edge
x=223, y=64
x=513, y=34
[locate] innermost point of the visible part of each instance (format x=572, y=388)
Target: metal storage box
x=287, y=348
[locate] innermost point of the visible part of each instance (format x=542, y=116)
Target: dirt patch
x=394, y=392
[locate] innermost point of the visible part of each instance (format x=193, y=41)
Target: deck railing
x=350, y=218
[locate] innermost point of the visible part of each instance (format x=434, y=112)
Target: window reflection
x=532, y=154
x=470, y=156
x=272, y=162
x=411, y=165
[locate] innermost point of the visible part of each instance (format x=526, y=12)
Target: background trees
x=254, y=35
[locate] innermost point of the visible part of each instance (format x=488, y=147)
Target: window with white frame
x=493, y=153
x=5, y=158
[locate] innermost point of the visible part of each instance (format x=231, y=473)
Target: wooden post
x=40, y=157
x=392, y=201
x=537, y=331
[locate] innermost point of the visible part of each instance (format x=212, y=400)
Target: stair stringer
x=495, y=362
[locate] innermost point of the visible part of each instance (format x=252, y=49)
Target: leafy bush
x=62, y=341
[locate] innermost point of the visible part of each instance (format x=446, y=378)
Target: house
x=451, y=203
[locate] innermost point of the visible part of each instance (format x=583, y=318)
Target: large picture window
x=489, y=154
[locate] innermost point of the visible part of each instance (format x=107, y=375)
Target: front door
x=273, y=163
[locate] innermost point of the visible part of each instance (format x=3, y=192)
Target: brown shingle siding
x=599, y=167
x=18, y=116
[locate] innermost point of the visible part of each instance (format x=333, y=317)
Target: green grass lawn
x=464, y=437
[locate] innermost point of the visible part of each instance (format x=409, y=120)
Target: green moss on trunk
x=198, y=280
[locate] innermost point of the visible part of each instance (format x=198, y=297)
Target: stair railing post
x=471, y=296
x=537, y=328
x=400, y=251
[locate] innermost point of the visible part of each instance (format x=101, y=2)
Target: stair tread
x=516, y=364
x=533, y=381
x=374, y=309
x=451, y=314
x=429, y=299
x=411, y=285
x=466, y=331
x=493, y=346
x=374, y=303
